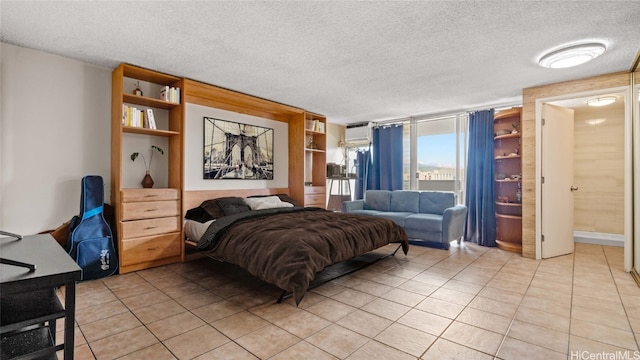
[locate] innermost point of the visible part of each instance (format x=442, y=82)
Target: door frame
x=635, y=106
x=628, y=166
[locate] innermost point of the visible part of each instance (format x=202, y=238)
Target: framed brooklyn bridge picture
x=234, y=150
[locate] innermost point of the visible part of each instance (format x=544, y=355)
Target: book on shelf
x=133, y=117
x=164, y=93
x=137, y=117
x=176, y=98
x=145, y=120
x=312, y=125
x=150, y=120
x=170, y=94
x=127, y=115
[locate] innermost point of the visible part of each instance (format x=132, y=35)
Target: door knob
x=574, y=188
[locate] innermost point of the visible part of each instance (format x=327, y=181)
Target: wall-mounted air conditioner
x=358, y=133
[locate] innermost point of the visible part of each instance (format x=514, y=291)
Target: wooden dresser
x=315, y=196
x=150, y=228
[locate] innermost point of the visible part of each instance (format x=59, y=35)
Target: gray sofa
x=430, y=218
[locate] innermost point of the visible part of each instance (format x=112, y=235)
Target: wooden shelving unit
x=149, y=230
x=315, y=160
x=508, y=179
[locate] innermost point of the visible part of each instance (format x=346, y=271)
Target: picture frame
x=234, y=150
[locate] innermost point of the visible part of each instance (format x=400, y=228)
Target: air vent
x=358, y=133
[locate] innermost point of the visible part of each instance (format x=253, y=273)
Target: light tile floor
x=470, y=302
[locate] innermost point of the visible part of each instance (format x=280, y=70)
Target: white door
x=557, y=185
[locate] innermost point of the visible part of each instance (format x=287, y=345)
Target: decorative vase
x=147, y=181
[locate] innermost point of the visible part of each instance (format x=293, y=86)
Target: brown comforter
x=288, y=246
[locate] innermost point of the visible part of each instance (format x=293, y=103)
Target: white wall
x=335, y=136
x=193, y=147
x=54, y=129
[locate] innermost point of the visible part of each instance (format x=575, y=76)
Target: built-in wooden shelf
x=508, y=204
x=315, y=150
x=504, y=114
x=508, y=190
x=146, y=131
x=508, y=157
x=147, y=101
x=147, y=241
x=313, y=132
x=509, y=246
x=507, y=136
x=509, y=217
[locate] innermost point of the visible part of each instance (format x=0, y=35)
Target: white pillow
x=194, y=230
x=266, y=202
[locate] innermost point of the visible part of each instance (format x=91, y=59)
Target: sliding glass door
x=434, y=154
x=437, y=154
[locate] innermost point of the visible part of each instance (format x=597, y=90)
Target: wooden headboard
x=193, y=198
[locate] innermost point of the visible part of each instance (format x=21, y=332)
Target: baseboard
x=589, y=237
x=635, y=276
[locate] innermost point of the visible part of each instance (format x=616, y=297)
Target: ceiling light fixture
x=594, y=122
x=601, y=101
x=571, y=56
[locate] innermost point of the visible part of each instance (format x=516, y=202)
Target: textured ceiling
x=351, y=61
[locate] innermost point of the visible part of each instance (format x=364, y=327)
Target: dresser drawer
x=150, y=248
x=135, y=195
x=140, y=228
x=315, y=190
x=150, y=209
x=317, y=200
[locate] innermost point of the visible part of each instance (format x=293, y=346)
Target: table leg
x=69, y=319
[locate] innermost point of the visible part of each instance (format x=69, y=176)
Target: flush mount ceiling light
x=594, y=122
x=571, y=56
x=601, y=101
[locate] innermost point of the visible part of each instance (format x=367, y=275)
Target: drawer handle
x=152, y=248
x=151, y=210
x=150, y=227
x=151, y=195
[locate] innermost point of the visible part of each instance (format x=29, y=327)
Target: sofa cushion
x=435, y=202
x=405, y=201
x=424, y=222
x=377, y=200
x=365, y=212
x=396, y=217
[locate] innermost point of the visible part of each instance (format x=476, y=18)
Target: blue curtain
x=363, y=164
x=480, y=199
x=386, y=165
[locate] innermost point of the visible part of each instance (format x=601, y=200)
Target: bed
x=282, y=243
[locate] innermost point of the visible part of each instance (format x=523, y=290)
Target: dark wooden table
x=54, y=268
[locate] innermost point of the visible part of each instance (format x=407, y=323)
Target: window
x=434, y=154
x=438, y=158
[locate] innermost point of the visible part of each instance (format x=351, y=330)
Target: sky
x=437, y=150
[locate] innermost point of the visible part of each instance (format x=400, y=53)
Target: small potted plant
x=147, y=181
